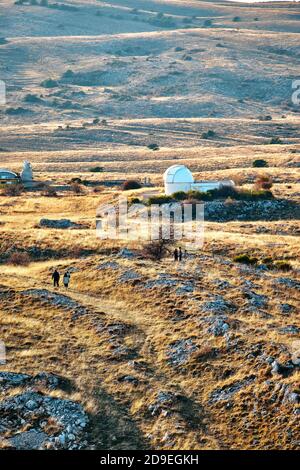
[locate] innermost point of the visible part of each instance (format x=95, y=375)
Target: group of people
x=56, y=278
x=178, y=254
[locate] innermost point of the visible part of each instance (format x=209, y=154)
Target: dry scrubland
x=156, y=355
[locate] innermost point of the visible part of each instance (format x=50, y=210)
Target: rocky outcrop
x=60, y=224
x=274, y=209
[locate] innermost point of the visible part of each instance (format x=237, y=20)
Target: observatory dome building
x=179, y=178
x=7, y=176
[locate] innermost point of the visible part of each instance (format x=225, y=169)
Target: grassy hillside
x=140, y=353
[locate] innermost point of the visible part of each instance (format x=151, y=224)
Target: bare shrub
x=263, y=182
x=12, y=190
x=19, y=259
x=49, y=192
x=77, y=188
x=156, y=249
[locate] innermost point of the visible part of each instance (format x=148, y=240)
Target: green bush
x=208, y=135
x=259, y=163
x=275, y=140
x=96, y=169
x=49, y=83
x=153, y=146
x=31, y=98
x=245, y=259
x=179, y=195
x=134, y=200
x=160, y=200
x=199, y=195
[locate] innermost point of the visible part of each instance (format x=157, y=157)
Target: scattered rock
x=70, y=418
x=288, y=282
x=218, y=305
x=130, y=276
x=32, y=440
x=256, y=301
x=163, y=402
x=129, y=379
x=281, y=369
x=109, y=265
x=57, y=300
x=226, y=392
x=290, y=330
x=218, y=327
x=286, y=309
x=291, y=397
x=125, y=253
x=180, y=351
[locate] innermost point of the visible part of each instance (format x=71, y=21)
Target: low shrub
x=49, y=83
x=207, y=23
x=282, y=266
x=275, y=140
x=245, y=259
x=260, y=163
x=131, y=184
x=31, y=98
x=153, y=146
x=77, y=188
x=96, y=169
x=179, y=195
x=49, y=192
x=135, y=200
x=160, y=200
x=208, y=134
x=12, y=190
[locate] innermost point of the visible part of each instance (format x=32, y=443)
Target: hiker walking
x=180, y=254
x=56, y=277
x=176, y=254
x=66, y=279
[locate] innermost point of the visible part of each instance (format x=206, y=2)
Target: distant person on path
x=66, y=279
x=180, y=254
x=176, y=254
x=56, y=277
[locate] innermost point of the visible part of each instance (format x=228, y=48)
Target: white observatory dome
x=177, y=178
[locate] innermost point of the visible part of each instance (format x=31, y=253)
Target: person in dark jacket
x=176, y=254
x=56, y=277
x=180, y=254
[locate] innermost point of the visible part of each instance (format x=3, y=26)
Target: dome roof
x=178, y=174
x=7, y=174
